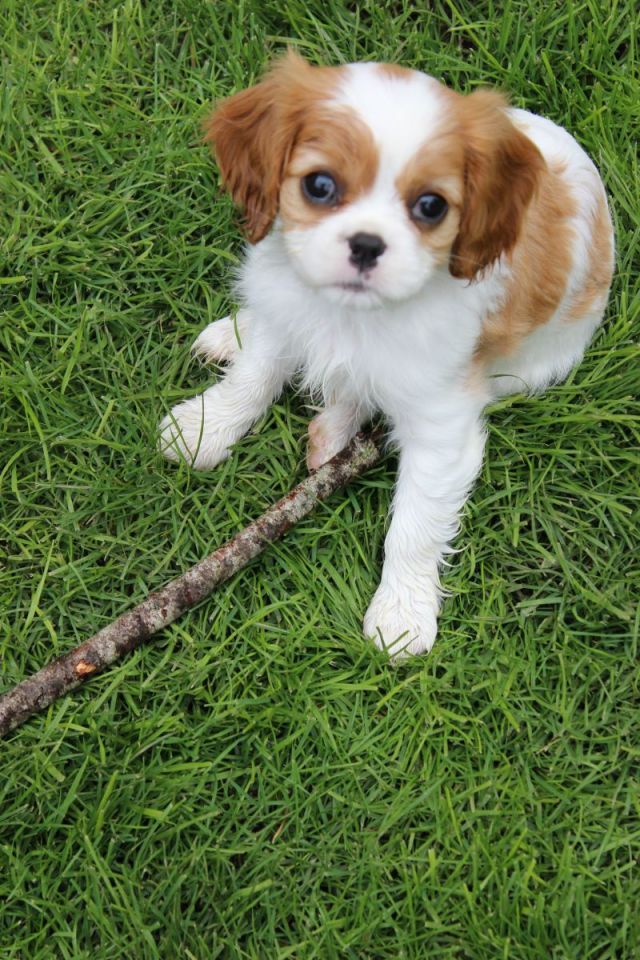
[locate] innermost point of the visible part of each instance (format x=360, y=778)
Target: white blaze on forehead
x=403, y=111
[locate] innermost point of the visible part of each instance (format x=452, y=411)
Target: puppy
x=414, y=252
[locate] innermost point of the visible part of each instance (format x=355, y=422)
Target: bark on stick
x=164, y=606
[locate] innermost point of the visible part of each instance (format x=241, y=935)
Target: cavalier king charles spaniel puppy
x=413, y=252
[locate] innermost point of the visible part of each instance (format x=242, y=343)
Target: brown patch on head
x=331, y=140
x=540, y=265
x=593, y=295
x=394, y=71
x=438, y=167
x=502, y=171
x=253, y=133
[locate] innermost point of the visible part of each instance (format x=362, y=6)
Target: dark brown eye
x=429, y=208
x=320, y=188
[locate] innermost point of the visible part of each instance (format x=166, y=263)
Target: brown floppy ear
x=252, y=134
x=502, y=171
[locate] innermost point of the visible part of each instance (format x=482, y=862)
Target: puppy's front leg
x=202, y=430
x=440, y=456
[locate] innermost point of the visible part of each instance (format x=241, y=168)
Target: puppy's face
x=380, y=177
x=371, y=199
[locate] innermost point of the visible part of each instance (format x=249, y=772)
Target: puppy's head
x=379, y=176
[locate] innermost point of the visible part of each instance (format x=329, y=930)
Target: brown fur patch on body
x=541, y=262
x=593, y=295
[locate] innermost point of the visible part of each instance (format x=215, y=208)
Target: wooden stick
x=165, y=605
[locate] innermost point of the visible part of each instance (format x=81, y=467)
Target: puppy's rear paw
x=187, y=434
x=329, y=433
x=221, y=340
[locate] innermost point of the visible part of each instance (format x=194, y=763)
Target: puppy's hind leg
x=221, y=340
x=332, y=429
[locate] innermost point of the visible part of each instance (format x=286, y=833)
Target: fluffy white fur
x=403, y=346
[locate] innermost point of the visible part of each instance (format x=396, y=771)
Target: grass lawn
x=259, y=782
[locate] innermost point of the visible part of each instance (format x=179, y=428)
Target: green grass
x=259, y=783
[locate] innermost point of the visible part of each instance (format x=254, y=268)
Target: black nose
x=365, y=250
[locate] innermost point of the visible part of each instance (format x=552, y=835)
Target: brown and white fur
x=380, y=310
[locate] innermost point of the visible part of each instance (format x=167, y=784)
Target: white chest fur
x=385, y=357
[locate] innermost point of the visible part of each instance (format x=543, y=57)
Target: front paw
x=402, y=622
x=188, y=434
x=221, y=340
